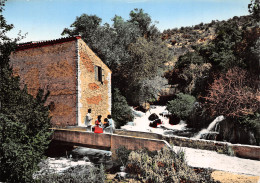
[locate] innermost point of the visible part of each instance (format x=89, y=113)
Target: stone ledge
x=239, y=150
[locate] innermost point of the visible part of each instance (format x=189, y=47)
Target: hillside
x=182, y=40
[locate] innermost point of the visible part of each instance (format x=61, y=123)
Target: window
x=99, y=74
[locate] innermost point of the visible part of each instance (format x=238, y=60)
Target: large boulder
x=153, y=117
x=174, y=120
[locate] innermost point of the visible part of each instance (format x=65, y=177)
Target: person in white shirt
x=88, y=118
x=111, y=123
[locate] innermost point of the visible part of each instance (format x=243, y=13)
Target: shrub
x=233, y=94
x=24, y=136
x=253, y=122
x=122, y=155
x=189, y=58
x=182, y=106
x=120, y=110
x=87, y=175
x=165, y=166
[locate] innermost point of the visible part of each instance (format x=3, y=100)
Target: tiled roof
x=28, y=45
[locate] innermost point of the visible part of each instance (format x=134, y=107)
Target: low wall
x=83, y=138
x=139, y=134
x=243, y=151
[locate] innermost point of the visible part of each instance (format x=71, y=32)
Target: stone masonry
x=65, y=67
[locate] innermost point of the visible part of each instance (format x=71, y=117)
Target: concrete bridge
x=137, y=140
x=106, y=141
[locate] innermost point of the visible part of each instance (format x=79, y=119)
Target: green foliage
x=253, y=123
x=143, y=21
x=150, y=89
x=120, y=110
x=86, y=26
x=221, y=51
x=122, y=155
x=24, y=120
x=189, y=58
x=109, y=42
x=196, y=78
x=24, y=135
x=182, y=106
x=4, y=27
x=146, y=65
x=148, y=58
x=254, y=9
x=165, y=166
x=87, y=175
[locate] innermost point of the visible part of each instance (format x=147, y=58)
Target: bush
x=182, y=106
x=253, y=123
x=189, y=58
x=24, y=136
x=120, y=110
x=87, y=175
x=122, y=155
x=233, y=94
x=165, y=166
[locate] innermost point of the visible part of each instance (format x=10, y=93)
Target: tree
x=132, y=49
x=144, y=22
x=221, y=51
x=182, y=106
x=86, y=26
x=184, y=61
x=233, y=95
x=121, y=112
x=149, y=89
x=254, y=9
x=24, y=120
x=147, y=63
x=109, y=42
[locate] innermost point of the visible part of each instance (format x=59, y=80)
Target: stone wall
x=52, y=68
x=92, y=93
x=239, y=150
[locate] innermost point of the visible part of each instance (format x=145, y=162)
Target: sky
x=46, y=19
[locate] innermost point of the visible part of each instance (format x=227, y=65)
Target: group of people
x=106, y=126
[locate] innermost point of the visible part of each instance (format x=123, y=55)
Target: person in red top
x=98, y=125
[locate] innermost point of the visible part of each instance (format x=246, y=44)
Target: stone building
x=75, y=76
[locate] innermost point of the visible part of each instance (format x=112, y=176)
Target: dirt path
x=227, y=177
x=229, y=169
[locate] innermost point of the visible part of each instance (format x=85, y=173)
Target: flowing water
x=82, y=157
x=78, y=159
x=212, y=131
x=141, y=121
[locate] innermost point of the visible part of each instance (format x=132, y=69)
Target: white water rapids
x=141, y=122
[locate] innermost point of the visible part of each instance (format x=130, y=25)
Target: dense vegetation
x=223, y=72
x=133, y=50
x=24, y=120
x=120, y=109
x=164, y=166
x=199, y=60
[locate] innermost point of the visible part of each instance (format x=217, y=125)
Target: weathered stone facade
x=94, y=94
x=65, y=67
